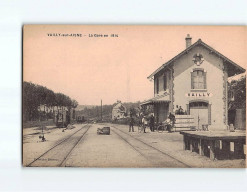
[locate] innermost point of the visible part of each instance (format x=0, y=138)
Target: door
x=163, y=109
x=199, y=110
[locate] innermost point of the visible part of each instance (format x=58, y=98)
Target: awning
x=158, y=99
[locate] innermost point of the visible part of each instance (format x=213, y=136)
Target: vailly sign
x=198, y=94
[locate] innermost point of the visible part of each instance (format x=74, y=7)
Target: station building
x=196, y=81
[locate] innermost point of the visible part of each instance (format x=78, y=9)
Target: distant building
x=118, y=111
x=195, y=81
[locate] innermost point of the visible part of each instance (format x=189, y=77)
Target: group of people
x=170, y=121
x=180, y=111
x=145, y=121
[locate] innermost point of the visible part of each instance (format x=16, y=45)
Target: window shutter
x=209, y=114
x=157, y=88
x=192, y=80
x=205, y=80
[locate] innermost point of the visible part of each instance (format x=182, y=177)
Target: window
x=198, y=79
x=198, y=105
x=157, y=85
x=161, y=84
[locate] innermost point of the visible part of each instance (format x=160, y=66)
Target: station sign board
x=198, y=94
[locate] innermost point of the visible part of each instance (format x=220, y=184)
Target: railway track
x=154, y=155
x=57, y=155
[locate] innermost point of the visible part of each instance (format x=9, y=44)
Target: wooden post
x=212, y=149
x=197, y=143
x=101, y=111
x=201, y=148
x=191, y=144
x=185, y=140
x=62, y=117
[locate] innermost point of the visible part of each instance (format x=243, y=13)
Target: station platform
x=220, y=145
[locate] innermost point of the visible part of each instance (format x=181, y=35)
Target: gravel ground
x=172, y=144
x=113, y=151
x=105, y=151
x=34, y=147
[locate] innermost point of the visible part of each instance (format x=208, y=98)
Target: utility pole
x=101, y=111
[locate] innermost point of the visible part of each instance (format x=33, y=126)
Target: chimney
x=188, y=40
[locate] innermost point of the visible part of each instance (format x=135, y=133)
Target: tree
x=74, y=103
x=237, y=94
x=133, y=111
x=30, y=101
x=37, y=96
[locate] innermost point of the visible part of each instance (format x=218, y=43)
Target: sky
x=89, y=68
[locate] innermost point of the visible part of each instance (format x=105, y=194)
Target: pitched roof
x=235, y=68
x=118, y=106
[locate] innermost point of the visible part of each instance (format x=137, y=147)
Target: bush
x=125, y=121
x=122, y=121
x=29, y=124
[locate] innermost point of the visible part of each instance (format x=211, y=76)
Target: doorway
x=162, y=111
x=199, y=110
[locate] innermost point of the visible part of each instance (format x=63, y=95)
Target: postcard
x=134, y=96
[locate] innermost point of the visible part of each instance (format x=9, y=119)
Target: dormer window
x=198, y=79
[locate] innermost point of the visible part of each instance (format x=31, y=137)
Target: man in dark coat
x=131, y=124
x=151, y=123
x=180, y=110
x=172, y=118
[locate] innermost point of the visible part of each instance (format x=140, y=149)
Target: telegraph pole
x=101, y=111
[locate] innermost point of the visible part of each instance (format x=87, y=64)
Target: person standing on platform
x=180, y=111
x=131, y=124
x=144, y=123
x=172, y=119
x=151, y=123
